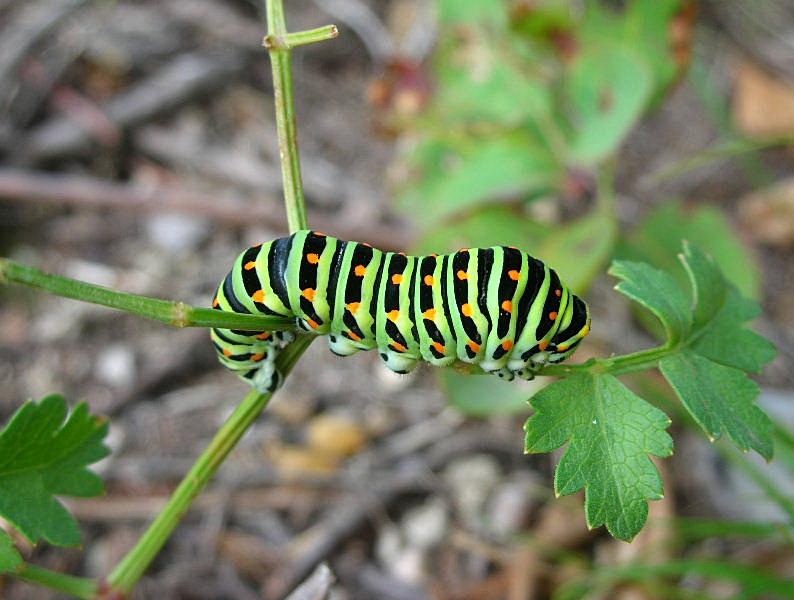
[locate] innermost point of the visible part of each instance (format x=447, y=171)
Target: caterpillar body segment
x=496, y=307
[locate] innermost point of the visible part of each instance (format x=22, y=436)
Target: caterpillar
x=498, y=308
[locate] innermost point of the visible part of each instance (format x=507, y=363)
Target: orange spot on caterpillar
x=463, y=250
x=227, y=352
x=308, y=293
x=313, y=258
x=558, y=293
x=401, y=253
x=543, y=345
x=430, y=314
x=439, y=347
x=312, y=323
x=353, y=306
x=397, y=279
x=263, y=336
x=462, y=274
x=507, y=306
x=513, y=274
x=250, y=265
x=257, y=357
x=397, y=347
x=475, y=347
x=434, y=255
x=366, y=244
x=393, y=315
x=553, y=315
x=216, y=302
x=562, y=347
x=360, y=270
x=354, y=336
x=259, y=296
x=467, y=310
x=429, y=280
x=319, y=233
x=507, y=345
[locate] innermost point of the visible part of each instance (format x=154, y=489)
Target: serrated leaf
x=9, y=557
x=721, y=313
x=611, y=432
x=657, y=291
x=45, y=452
x=721, y=400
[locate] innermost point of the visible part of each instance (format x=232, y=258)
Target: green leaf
x=611, y=433
x=492, y=226
x=608, y=88
x=720, y=315
x=658, y=240
x=485, y=395
x=479, y=81
x=579, y=250
x=9, y=557
x=658, y=292
x=456, y=178
x=44, y=452
x=472, y=12
x=721, y=400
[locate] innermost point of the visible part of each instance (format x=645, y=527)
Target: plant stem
x=177, y=314
x=134, y=564
x=615, y=365
x=300, y=38
x=79, y=587
x=279, y=44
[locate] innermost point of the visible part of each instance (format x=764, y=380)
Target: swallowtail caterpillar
x=498, y=308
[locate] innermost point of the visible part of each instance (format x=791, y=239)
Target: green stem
x=615, y=365
x=300, y=38
x=177, y=314
x=134, y=564
x=131, y=568
x=79, y=587
x=279, y=44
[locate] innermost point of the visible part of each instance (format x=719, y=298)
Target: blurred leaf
x=485, y=395
x=658, y=241
x=648, y=30
x=608, y=88
x=479, y=12
x=579, y=250
x=476, y=82
x=44, y=452
x=9, y=557
x=610, y=432
x=457, y=178
x=658, y=292
x=493, y=226
x=721, y=400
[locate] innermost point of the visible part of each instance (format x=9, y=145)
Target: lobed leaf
x=45, y=452
x=611, y=432
x=658, y=292
x=721, y=400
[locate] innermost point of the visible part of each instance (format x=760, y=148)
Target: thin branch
x=177, y=314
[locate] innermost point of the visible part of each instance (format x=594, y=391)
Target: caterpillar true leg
x=498, y=307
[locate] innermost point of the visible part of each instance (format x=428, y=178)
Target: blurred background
x=138, y=150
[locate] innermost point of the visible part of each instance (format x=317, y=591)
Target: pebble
x=115, y=366
x=472, y=479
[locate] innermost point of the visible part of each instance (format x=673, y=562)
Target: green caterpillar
x=498, y=307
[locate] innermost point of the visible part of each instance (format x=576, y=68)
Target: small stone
x=115, y=366
x=177, y=233
x=472, y=480
x=425, y=525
